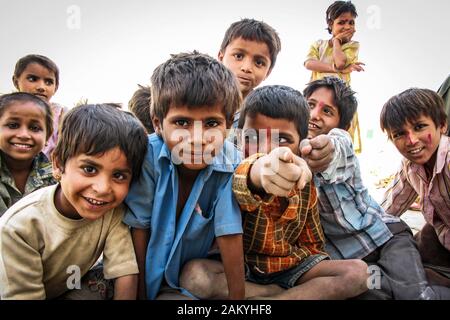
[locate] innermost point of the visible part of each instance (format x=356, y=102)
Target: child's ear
x=15, y=82
x=56, y=166
x=444, y=128
x=157, y=125
x=220, y=56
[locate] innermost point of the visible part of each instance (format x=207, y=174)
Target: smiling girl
x=25, y=126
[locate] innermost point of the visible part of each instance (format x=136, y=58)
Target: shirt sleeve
x=21, y=270
x=247, y=201
x=118, y=255
x=313, y=53
x=400, y=194
x=351, y=51
x=227, y=216
x=343, y=165
x=141, y=194
x=311, y=237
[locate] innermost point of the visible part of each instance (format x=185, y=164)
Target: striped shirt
x=353, y=222
x=411, y=181
x=274, y=240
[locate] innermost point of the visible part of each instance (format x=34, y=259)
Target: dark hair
x=409, y=106
x=338, y=8
x=254, y=30
x=23, y=62
x=277, y=102
x=96, y=128
x=343, y=96
x=194, y=80
x=139, y=104
x=7, y=100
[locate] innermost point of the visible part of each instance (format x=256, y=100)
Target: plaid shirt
x=411, y=181
x=274, y=240
x=353, y=222
x=40, y=176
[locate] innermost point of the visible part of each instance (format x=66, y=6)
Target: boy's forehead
x=205, y=110
x=250, y=45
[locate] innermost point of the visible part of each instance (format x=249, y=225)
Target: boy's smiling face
x=262, y=134
x=324, y=112
x=193, y=135
x=91, y=185
x=418, y=141
x=249, y=61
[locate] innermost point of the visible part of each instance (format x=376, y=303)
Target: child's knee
x=195, y=277
x=356, y=274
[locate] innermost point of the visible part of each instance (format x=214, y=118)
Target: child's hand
x=357, y=66
x=318, y=152
x=345, y=36
x=279, y=172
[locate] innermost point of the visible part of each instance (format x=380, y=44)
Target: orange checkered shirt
x=273, y=240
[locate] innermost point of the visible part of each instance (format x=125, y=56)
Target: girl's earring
x=57, y=176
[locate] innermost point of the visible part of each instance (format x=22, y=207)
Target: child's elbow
x=339, y=65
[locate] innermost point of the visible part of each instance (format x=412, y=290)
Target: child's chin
x=195, y=166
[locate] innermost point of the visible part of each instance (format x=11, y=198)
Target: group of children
x=273, y=209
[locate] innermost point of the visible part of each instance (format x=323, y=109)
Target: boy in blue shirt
x=183, y=199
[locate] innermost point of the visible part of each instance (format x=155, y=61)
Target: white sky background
x=105, y=48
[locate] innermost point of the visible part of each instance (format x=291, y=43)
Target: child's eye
x=311, y=104
x=238, y=56
x=31, y=78
x=49, y=82
x=420, y=126
x=260, y=63
x=396, y=135
x=328, y=111
x=89, y=169
x=283, y=140
x=182, y=123
x=12, y=125
x=35, y=128
x=120, y=176
x=212, y=123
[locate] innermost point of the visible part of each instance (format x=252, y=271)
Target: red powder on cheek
x=429, y=138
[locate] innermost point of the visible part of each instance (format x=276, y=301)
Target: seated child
x=139, y=105
x=355, y=226
x=64, y=228
x=249, y=49
x=283, y=238
x=415, y=122
x=25, y=125
x=38, y=75
x=338, y=56
x=183, y=199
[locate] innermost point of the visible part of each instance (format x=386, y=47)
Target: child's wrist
x=339, y=40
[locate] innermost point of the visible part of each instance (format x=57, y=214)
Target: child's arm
x=125, y=288
x=312, y=238
x=140, y=242
x=232, y=253
x=21, y=270
x=343, y=165
x=279, y=172
x=319, y=66
x=400, y=194
x=318, y=152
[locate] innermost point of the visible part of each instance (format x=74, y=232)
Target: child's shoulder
x=30, y=209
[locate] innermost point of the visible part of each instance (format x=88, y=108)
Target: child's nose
x=246, y=66
x=412, y=138
x=23, y=133
x=102, y=185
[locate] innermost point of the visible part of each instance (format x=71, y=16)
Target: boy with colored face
x=355, y=226
x=415, y=122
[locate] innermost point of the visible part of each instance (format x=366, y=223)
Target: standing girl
x=338, y=56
